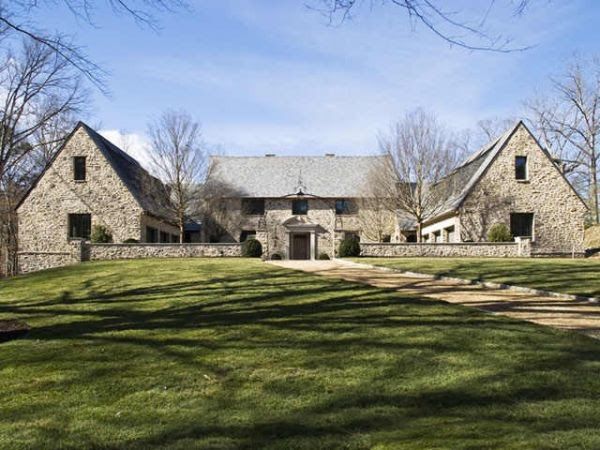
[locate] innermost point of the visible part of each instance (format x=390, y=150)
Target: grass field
x=238, y=354
x=569, y=276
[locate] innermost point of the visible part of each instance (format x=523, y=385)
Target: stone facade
x=274, y=228
x=466, y=249
x=558, y=213
x=43, y=216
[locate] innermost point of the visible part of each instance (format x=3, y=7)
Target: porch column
x=312, y=245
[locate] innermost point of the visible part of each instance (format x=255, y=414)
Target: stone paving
x=579, y=316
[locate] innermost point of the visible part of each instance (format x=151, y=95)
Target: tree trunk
x=594, y=189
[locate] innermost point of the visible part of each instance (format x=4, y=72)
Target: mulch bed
x=12, y=329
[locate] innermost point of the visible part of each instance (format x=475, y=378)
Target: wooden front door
x=300, y=246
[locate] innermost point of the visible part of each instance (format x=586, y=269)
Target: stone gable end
x=558, y=211
x=43, y=215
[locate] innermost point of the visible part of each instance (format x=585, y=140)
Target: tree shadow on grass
x=303, y=361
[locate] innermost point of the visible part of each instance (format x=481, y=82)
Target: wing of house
x=91, y=181
x=515, y=181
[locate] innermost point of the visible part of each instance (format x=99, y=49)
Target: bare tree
x=570, y=119
x=377, y=206
x=18, y=18
x=451, y=25
x=177, y=156
x=421, y=153
x=39, y=92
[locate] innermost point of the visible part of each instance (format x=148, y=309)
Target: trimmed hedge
x=349, y=248
x=252, y=249
x=499, y=232
x=100, y=235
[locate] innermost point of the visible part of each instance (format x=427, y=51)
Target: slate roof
x=280, y=176
x=148, y=191
x=455, y=186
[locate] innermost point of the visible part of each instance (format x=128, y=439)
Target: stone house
x=301, y=207
x=90, y=181
x=515, y=181
x=297, y=207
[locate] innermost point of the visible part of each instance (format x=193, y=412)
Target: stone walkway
x=580, y=316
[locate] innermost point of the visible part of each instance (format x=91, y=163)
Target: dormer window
x=521, y=168
x=79, y=168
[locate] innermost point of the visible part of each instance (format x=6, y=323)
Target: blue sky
x=264, y=76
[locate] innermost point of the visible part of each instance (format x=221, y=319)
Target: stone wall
x=35, y=261
x=471, y=249
x=131, y=251
x=79, y=251
x=558, y=212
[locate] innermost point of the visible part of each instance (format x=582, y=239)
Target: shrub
x=100, y=235
x=251, y=248
x=324, y=256
x=349, y=247
x=276, y=257
x=499, y=232
x=130, y=241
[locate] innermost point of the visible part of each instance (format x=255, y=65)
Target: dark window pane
x=342, y=206
x=521, y=167
x=247, y=234
x=151, y=234
x=80, y=226
x=79, y=168
x=386, y=238
x=300, y=207
x=253, y=206
x=164, y=237
x=174, y=238
x=521, y=224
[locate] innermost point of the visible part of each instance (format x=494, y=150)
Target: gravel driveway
x=580, y=316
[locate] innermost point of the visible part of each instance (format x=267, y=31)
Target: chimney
x=269, y=155
x=330, y=155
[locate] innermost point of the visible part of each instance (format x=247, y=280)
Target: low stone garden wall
x=463, y=249
x=130, y=251
x=34, y=261
x=82, y=251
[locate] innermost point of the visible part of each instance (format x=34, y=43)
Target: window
x=164, y=237
x=174, y=239
x=253, y=206
x=521, y=167
x=247, y=234
x=450, y=234
x=521, y=224
x=386, y=238
x=342, y=206
x=300, y=207
x=79, y=168
x=436, y=236
x=80, y=226
x=151, y=234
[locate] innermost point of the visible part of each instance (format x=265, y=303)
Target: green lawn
x=238, y=354
x=569, y=276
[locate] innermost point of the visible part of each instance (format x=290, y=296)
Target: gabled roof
x=455, y=187
x=280, y=176
x=148, y=191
